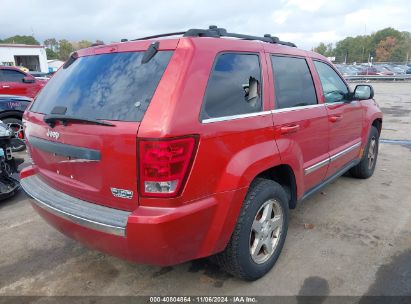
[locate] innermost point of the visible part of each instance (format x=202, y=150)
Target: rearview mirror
x=363, y=92
x=28, y=79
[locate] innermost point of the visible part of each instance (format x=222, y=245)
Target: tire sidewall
x=373, y=133
x=251, y=268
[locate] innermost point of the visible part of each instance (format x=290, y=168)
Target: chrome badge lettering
x=53, y=134
x=122, y=193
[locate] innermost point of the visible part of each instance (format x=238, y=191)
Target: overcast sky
x=304, y=22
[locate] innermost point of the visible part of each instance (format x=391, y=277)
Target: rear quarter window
x=113, y=86
x=226, y=93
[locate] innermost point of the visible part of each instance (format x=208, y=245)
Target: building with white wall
x=54, y=64
x=32, y=57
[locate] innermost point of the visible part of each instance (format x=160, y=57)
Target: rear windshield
x=109, y=86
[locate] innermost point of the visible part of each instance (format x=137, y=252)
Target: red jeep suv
x=163, y=150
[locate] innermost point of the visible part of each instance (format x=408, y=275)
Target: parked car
x=347, y=70
x=397, y=70
x=11, y=112
x=13, y=81
x=356, y=68
x=376, y=70
x=408, y=71
x=161, y=151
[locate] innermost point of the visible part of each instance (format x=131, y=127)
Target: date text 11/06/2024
x=203, y=299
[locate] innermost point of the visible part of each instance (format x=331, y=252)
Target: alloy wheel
x=265, y=231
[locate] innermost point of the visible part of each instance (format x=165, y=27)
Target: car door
x=4, y=86
x=344, y=118
x=12, y=83
x=300, y=121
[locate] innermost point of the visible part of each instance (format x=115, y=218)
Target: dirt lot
x=358, y=243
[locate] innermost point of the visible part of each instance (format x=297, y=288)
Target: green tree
x=398, y=54
x=51, y=54
x=330, y=50
x=17, y=39
x=403, y=49
x=51, y=43
x=65, y=49
x=325, y=50
x=353, y=49
x=82, y=44
x=321, y=48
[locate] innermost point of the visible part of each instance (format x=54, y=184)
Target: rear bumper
x=86, y=214
x=158, y=236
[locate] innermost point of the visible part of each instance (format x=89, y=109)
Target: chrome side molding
x=330, y=159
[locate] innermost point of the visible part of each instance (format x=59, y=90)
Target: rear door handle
x=336, y=118
x=6, y=87
x=289, y=129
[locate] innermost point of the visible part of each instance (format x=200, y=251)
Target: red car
x=376, y=70
x=13, y=81
x=162, y=151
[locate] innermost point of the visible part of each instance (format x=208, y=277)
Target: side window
x=334, y=88
x=293, y=83
x=12, y=76
x=234, y=86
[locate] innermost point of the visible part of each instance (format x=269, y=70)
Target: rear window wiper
x=51, y=119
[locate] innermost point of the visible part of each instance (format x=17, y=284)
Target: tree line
x=55, y=49
x=386, y=45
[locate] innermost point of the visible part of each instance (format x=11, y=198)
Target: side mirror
x=28, y=79
x=363, y=92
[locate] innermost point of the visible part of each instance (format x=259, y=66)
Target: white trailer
x=32, y=57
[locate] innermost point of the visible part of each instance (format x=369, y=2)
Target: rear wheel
x=259, y=235
x=17, y=143
x=366, y=167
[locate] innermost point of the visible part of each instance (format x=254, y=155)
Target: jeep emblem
x=53, y=134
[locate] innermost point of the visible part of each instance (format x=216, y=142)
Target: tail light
x=164, y=165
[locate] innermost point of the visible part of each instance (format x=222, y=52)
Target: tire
x=17, y=144
x=237, y=259
x=366, y=167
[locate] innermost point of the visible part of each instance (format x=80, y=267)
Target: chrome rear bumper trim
x=104, y=219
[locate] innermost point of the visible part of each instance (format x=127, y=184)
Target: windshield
x=109, y=86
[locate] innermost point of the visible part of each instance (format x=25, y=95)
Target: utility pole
x=363, y=46
x=362, y=55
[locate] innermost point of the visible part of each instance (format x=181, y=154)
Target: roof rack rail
x=160, y=35
x=216, y=32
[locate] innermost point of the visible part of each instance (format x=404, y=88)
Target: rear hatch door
x=92, y=155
